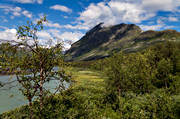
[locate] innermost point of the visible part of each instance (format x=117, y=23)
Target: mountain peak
x=96, y=28
x=101, y=41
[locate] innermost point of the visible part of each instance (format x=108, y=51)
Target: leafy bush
x=143, y=72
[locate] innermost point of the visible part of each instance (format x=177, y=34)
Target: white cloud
x=3, y=19
x=173, y=19
x=44, y=35
x=3, y=27
x=159, y=26
x=15, y=11
x=16, y=14
x=61, y=8
x=65, y=17
x=156, y=27
x=161, y=20
x=128, y=11
x=79, y=27
x=170, y=27
x=70, y=37
x=67, y=26
x=73, y=36
x=46, y=38
x=66, y=37
x=54, y=25
x=5, y=6
x=159, y=5
x=95, y=14
x=27, y=14
x=39, y=1
x=8, y=34
x=151, y=27
x=28, y=1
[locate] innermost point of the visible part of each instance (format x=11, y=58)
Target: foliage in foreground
x=87, y=99
x=155, y=68
x=35, y=67
x=142, y=85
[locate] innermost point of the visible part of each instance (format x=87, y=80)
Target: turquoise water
x=11, y=98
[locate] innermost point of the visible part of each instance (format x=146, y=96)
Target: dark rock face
x=101, y=41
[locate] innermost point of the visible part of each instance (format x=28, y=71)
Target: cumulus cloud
x=28, y=1
x=27, y=14
x=15, y=11
x=44, y=35
x=152, y=27
x=61, y=8
x=46, y=38
x=69, y=38
x=128, y=11
x=3, y=27
x=160, y=24
x=173, y=19
x=159, y=5
x=54, y=25
x=67, y=26
x=40, y=1
x=73, y=36
x=8, y=35
x=118, y=11
x=79, y=27
x=53, y=36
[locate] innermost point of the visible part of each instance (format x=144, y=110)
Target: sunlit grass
x=87, y=83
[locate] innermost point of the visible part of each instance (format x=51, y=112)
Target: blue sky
x=69, y=20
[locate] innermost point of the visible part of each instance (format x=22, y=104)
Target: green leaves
x=34, y=64
x=145, y=71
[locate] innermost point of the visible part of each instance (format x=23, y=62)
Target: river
x=11, y=97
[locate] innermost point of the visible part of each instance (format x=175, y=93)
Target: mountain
x=101, y=41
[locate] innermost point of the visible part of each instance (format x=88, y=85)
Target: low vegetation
x=142, y=85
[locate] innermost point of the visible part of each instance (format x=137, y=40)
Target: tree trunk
x=41, y=88
x=119, y=91
x=166, y=83
x=30, y=108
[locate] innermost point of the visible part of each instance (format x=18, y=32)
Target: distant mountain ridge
x=101, y=41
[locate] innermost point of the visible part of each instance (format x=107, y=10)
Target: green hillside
x=101, y=41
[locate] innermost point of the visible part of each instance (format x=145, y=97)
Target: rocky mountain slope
x=101, y=41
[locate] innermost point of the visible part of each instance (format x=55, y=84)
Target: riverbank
x=7, y=72
x=10, y=95
x=83, y=88
x=87, y=98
